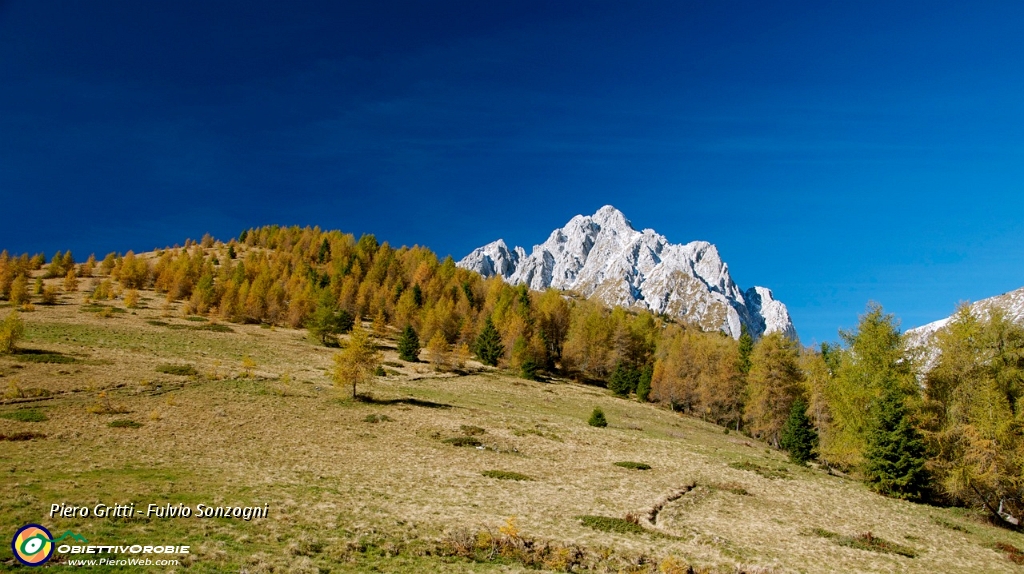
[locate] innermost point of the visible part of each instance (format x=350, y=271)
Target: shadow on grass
x=369, y=399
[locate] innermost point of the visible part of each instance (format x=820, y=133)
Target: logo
x=33, y=544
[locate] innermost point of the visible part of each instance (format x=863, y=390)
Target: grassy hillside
x=474, y=472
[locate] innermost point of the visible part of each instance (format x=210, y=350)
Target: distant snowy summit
x=1011, y=303
x=602, y=255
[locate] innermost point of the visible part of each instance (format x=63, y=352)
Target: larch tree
x=772, y=385
x=974, y=395
x=11, y=329
x=356, y=363
x=874, y=359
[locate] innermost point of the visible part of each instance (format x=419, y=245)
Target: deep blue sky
x=837, y=152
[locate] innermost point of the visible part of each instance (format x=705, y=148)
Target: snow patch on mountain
x=602, y=255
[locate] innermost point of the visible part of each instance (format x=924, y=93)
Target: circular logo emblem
x=32, y=545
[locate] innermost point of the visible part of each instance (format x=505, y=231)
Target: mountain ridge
x=604, y=256
x=1011, y=302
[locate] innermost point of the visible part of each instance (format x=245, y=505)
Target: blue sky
x=837, y=152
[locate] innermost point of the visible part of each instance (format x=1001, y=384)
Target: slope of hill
x=603, y=256
x=108, y=405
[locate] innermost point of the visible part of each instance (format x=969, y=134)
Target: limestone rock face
x=602, y=256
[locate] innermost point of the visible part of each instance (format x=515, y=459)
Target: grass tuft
x=470, y=430
x=180, y=370
x=611, y=524
x=732, y=487
x=771, y=473
x=463, y=441
x=950, y=525
x=867, y=541
x=26, y=416
x=633, y=465
x=124, y=424
x=505, y=475
x=215, y=327
x=376, y=419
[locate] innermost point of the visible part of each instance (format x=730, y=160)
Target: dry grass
x=352, y=496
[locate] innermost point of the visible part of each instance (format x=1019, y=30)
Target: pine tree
x=328, y=321
x=746, y=348
x=488, y=345
x=597, y=418
x=643, y=388
x=624, y=380
x=798, y=436
x=894, y=457
x=409, y=345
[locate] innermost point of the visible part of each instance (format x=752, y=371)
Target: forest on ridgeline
x=949, y=434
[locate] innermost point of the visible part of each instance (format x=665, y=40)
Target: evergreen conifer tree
x=643, y=388
x=746, y=348
x=328, y=320
x=597, y=418
x=488, y=345
x=894, y=457
x=528, y=370
x=409, y=345
x=798, y=436
x=624, y=380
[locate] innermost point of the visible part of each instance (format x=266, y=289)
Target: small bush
x=732, y=487
x=380, y=372
x=26, y=416
x=610, y=524
x=18, y=436
x=463, y=441
x=124, y=424
x=179, y=370
x=49, y=295
x=597, y=418
x=376, y=419
x=634, y=465
x=470, y=430
x=131, y=299
x=505, y=475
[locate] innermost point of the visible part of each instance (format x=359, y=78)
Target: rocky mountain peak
x=603, y=256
